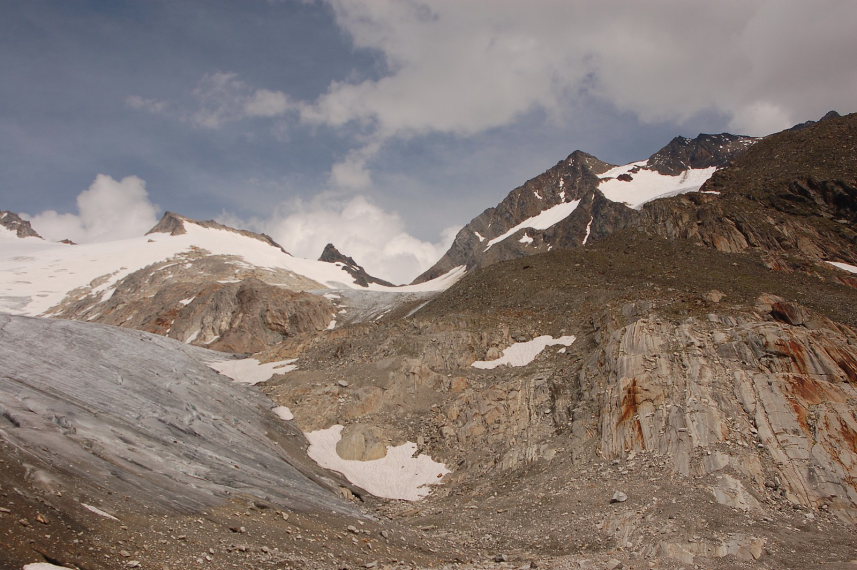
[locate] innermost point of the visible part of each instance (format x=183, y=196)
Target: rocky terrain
x=14, y=223
x=668, y=382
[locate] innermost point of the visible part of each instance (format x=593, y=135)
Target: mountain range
x=650, y=365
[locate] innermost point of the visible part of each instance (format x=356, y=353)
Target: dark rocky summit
x=14, y=222
x=361, y=277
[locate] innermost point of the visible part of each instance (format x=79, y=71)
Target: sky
x=382, y=126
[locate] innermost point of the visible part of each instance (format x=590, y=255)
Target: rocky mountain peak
x=805, y=124
x=175, y=224
x=15, y=223
x=583, y=160
x=704, y=151
x=361, y=277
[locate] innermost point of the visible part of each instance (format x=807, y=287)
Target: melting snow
x=647, y=185
x=522, y=353
x=98, y=511
x=588, y=228
x=526, y=239
x=250, y=370
x=541, y=221
x=479, y=236
x=844, y=266
x=398, y=475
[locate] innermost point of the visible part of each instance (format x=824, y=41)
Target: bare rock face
x=14, y=222
x=759, y=401
x=205, y=300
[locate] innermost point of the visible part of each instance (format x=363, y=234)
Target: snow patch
x=250, y=370
x=398, y=475
x=526, y=239
x=437, y=284
x=844, y=266
x=588, y=230
x=479, y=236
x=541, y=221
x=283, y=413
x=522, y=353
x=44, y=566
x=647, y=185
x=98, y=511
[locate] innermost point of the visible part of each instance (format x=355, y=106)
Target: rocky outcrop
x=767, y=404
x=792, y=196
x=703, y=151
x=13, y=222
x=361, y=277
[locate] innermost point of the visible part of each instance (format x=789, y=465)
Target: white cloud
x=375, y=238
x=466, y=67
x=154, y=106
x=223, y=97
x=266, y=103
x=107, y=210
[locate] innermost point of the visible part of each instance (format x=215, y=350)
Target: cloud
x=467, y=67
x=153, y=106
x=107, y=210
x=374, y=237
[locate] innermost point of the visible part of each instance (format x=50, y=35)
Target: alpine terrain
x=650, y=365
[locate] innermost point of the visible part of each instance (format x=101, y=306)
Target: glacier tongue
x=124, y=412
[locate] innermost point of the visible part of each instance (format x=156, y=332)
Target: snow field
x=36, y=275
x=522, y=353
x=647, y=185
x=398, y=475
x=250, y=370
x=541, y=221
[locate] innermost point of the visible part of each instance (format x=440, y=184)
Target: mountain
x=14, y=223
x=620, y=368
x=791, y=197
x=332, y=255
x=199, y=282
x=582, y=199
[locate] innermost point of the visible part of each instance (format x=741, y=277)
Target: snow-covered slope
x=36, y=275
